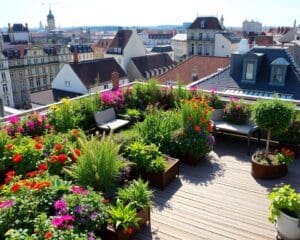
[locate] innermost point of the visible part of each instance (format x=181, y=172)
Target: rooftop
x=206, y=23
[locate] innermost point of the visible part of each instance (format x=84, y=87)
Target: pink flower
x=6, y=204
x=30, y=124
x=79, y=190
x=14, y=119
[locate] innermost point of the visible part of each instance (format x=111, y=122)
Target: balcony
x=217, y=199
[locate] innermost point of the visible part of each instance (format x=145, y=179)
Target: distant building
x=125, y=45
x=180, y=47
x=193, y=69
x=161, y=37
x=18, y=33
x=150, y=66
x=88, y=76
x=164, y=49
x=226, y=43
x=252, y=27
x=201, y=36
x=101, y=47
x=81, y=52
x=50, y=21
x=5, y=83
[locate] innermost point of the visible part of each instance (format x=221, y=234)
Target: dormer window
x=251, y=66
x=249, y=71
x=202, y=23
x=278, y=71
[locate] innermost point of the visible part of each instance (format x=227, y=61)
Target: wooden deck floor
x=216, y=200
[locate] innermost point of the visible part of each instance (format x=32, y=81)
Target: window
x=105, y=86
x=202, y=24
x=7, y=101
x=5, y=89
x=278, y=71
x=11, y=75
x=51, y=78
x=20, y=74
x=45, y=80
x=38, y=82
x=44, y=70
x=192, y=36
x=42, y=60
x=200, y=49
x=67, y=83
x=35, y=61
x=1, y=65
x=31, y=83
x=29, y=61
x=277, y=74
x=29, y=72
x=200, y=36
x=3, y=76
x=249, y=71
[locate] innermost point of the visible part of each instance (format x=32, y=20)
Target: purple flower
x=14, y=119
x=20, y=129
x=94, y=216
x=78, y=209
x=6, y=204
x=60, y=205
x=30, y=124
x=57, y=221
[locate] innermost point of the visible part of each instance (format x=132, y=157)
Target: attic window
x=278, y=71
x=249, y=70
x=202, y=24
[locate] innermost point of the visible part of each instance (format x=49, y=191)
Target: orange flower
x=75, y=133
x=48, y=235
x=38, y=146
x=58, y=147
x=9, y=146
x=53, y=159
x=202, y=119
x=17, y=158
x=16, y=187
x=197, y=128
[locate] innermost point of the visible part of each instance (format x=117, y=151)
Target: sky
x=70, y=13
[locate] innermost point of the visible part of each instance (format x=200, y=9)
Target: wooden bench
x=107, y=120
x=248, y=129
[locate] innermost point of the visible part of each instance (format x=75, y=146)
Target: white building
x=226, y=43
x=252, y=26
x=19, y=33
x=126, y=45
x=88, y=76
x=180, y=46
x=5, y=83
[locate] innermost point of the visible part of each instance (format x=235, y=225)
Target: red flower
x=17, y=158
x=77, y=152
x=129, y=230
x=62, y=158
x=53, y=159
x=202, y=119
x=58, y=147
x=48, y=235
x=10, y=173
x=197, y=128
x=43, y=167
x=9, y=146
x=32, y=174
x=38, y=146
x=16, y=187
x=7, y=180
x=105, y=201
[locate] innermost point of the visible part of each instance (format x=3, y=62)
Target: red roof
x=201, y=65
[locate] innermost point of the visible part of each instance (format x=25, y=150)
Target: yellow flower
x=65, y=101
x=9, y=232
x=53, y=107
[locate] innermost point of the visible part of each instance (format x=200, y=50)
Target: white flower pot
x=287, y=227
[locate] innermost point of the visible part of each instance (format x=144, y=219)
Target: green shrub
x=137, y=193
x=236, y=111
x=274, y=116
x=126, y=137
x=99, y=164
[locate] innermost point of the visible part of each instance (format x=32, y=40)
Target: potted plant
x=274, y=116
x=123, y=222
x=290, y=138
x=153, y=166
x=194, y=140
x=285, y=211
x=236, y=111
x=140, y=196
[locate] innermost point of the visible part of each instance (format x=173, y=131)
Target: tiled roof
x=119, y=42
x=89, y=71
x=162, y=49
x=208, y=22
x=81, y=48
x=225, y=81
x=202, y=65
x=263, y=40
x=233, y=38
x=151, y=62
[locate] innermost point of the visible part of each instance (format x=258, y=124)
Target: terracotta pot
x=112, y=234
x=189, y=159
x=287, y=227
x=144, y=214
x=293, y=147
x=267, y=171
x=162, y=179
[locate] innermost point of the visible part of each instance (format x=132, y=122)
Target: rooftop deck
x=218, y=199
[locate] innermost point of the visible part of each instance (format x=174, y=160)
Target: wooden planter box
x=111, y=234
x=293, y=147
x=189, y=159
x=267, y=171
x=162, y=179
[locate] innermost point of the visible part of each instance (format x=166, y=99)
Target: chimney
x=115, y=80
x=26, y=25
x=9, y=27
x=194, y=75
x=75, y=56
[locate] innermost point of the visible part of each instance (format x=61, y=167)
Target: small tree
x=274, y=116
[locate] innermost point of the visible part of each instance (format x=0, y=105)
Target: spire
x=222, y=21
x=295, y=24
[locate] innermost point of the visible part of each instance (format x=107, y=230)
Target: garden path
x=218, y=199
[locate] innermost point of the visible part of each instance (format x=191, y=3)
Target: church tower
x=50, y=21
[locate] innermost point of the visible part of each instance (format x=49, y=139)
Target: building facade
x=225, y=44
x=252, y=27
x=180, y=47
x=5, y=83
x=201, y=36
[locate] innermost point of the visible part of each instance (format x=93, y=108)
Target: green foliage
x=158, y=128
x=214, y=100
x=4, y=139
x=292, y=134
x=126, y=137
x=273, y=115
x=99, y=164
x=146, y=157
x=123, y=216
x=137, y=193
x=236, y=111
x=284, y=199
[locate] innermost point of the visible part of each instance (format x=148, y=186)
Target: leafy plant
x=133, y=113
x=236, y=111
x=274, y=116
x=125, y=138
x=284, y=199
x=137, y=193
x=99, y=164
x=214, y=100
x=123, y=216
x=146, y=157
x=292, y=134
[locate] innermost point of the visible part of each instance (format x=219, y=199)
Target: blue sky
x=151, y=12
